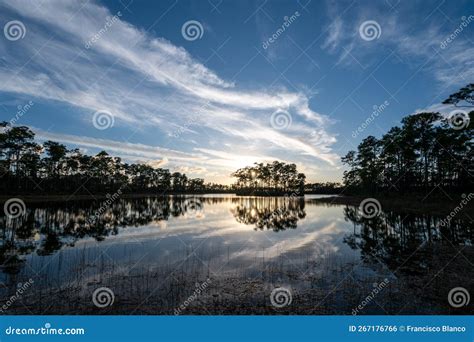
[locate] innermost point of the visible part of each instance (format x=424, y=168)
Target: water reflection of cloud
x=321, y=241
x=216, y=238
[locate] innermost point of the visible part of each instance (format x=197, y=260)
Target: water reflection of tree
x=276, y=213
x=392, y=236
x=48, y=227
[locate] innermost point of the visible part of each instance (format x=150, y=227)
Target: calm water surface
x=153, y=253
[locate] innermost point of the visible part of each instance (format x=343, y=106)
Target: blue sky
x=261, y=80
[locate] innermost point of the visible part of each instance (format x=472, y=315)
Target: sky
x=206, y=87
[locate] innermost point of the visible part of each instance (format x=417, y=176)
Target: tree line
x=274, y=177
x=323, y=188
x=427, y=151
x=29, y=167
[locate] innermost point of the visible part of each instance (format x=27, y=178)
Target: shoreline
x=411, y=204
x=414, y=203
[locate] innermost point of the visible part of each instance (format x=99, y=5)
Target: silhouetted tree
x=464, y=95
x=427, y=151
x=271, y=177
x=28, y=167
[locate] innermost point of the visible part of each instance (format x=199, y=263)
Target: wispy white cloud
x=131, y=149
x=148, y=83
x=413, y=32
x=335, y=32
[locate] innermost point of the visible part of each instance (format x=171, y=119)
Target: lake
x=224, y=254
